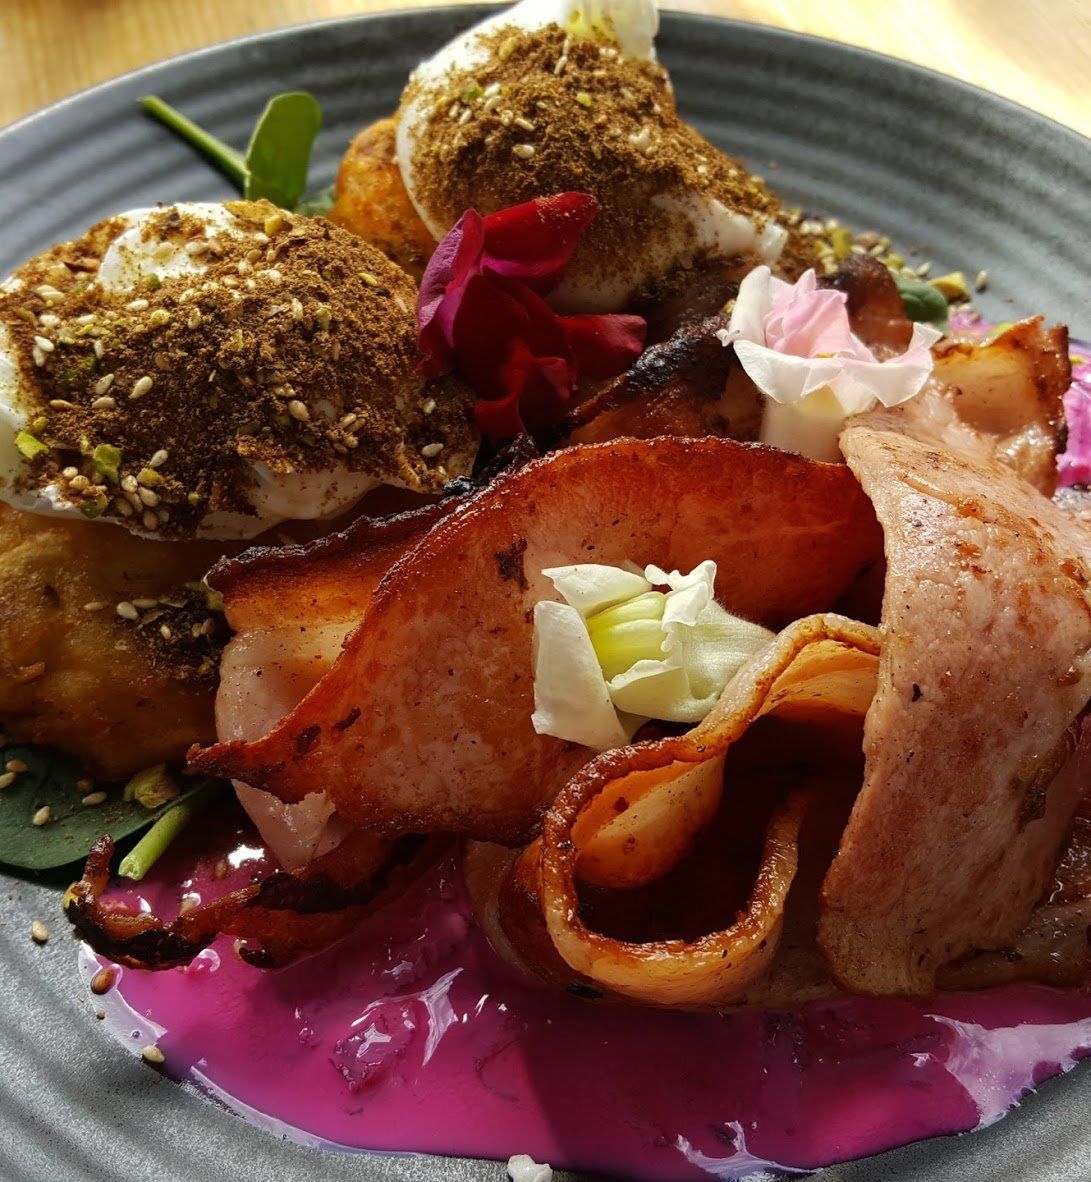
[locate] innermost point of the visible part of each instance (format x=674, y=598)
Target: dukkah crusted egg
x=211, y=370
x=558, y=95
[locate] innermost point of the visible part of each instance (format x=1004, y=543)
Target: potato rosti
x=372, y=200
x=104, y=650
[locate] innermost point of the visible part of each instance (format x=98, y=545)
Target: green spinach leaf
x=277, y=158
x=50, y=779
x=317, y=205
x=923, y=302
x=280, y=148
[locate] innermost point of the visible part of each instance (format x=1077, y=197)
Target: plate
x=968, y=180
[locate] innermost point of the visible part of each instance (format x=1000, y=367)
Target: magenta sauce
x=413, y=1035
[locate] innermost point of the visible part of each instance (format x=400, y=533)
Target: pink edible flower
x=1074, y=464
x=795, y=338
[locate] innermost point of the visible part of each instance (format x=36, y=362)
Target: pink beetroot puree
x=413, y=1035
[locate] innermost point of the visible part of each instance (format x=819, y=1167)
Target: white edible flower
x=795, y=343
x=620, y=650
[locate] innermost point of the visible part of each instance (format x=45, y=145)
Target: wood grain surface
x=1037, y=52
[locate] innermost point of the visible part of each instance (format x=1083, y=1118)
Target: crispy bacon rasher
x=936, y=850
x=424, y=722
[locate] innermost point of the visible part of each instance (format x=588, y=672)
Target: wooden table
x=1037, y=52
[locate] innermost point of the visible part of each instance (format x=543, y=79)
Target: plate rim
x=278, y=32
x=777, y=36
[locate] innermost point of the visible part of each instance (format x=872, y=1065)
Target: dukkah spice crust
x=295, y=347
x=548, y=112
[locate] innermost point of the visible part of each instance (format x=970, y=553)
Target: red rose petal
x=535, y=241
x=455, y=260
x=604, y=345
x=481, y=311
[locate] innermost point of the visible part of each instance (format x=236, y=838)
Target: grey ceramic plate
x=969, y=180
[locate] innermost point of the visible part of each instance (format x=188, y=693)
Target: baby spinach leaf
x=280, y=148
x=277, y=158
x=226, y=159
x=318, y=204
x=922, y=301
x=50, y=779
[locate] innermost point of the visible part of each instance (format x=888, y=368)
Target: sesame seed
x=86, y=318
x=95, y=605
x=465, y=117
x=429, y=406
x=159, y=317
x=45, y=344
x=562, y=65
x=193, y=320
x=141, y=386
x=150, y=521
x=523, y=151
x=273, y=275
x=523, y=123
x=37, y=356
x=323, y=315
x=79, y=483
x=106, y=402
x=7, y=779
x=145, y=604
x=48, y=293
x=140, y=305
x=347, y=420
x=123, y=507
x=60, y=404
x=93, y=799
x=159, y=459
x=127, y=610
x=153, y=1055
x=103, y=981
x=297, y=309
x=198, y=246
x=431, y=449
x=99, y=348
x=39, y=933
x=42, y=817
x=49, y=319
x=148, y=497
x=982, y=280
x=165, y=632
x=16, y=765
x=492, y=89
x=298, y=410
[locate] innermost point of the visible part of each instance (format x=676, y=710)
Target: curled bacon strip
x=284, y=916
x=929, y=861
x=424, y=723
x=648, y=843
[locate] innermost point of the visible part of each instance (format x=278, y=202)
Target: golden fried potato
x=372, y=200
x=74, y=673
